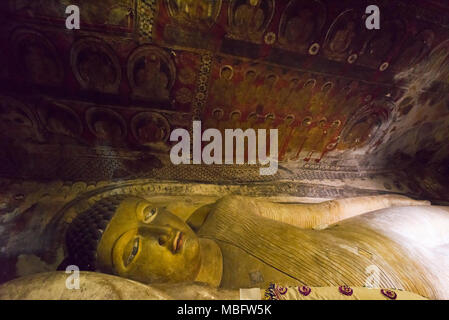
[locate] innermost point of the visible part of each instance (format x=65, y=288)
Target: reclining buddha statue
x=242, y=242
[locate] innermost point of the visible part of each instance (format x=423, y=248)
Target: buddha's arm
x=319, y=215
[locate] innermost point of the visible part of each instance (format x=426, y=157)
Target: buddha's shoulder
x=237, y=200
x=235, y=203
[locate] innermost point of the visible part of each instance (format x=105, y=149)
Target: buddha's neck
x=211, y=269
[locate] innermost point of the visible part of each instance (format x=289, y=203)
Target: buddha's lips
x=178, y=241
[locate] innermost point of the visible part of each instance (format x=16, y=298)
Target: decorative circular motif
x=322, y=122
x=346, y=290
x=270, y=38
x=204, y=69
x=36, y=57
x=270, y=116
x=390, y=294
x=200, y=96
x=331, y=146
x=301, y=24
x=194, y=14
x=289, y=118
x=247, y=21
x=150, y=127
x=60, y=119
x=352, y=58
x=226, y=72
x=310, y=84
x=341, y=36
x=151, y=73
x=218, y=113
x=327, y=87
x=366, y=125
x=106, y=124
x=95, y=65
x=314, y=49
x=336, y=123
x=236, y=114
x=206, y=59
x=281, y=290
x=16, y=113
x=384, y=66
x=304, y=290
x=307, y=121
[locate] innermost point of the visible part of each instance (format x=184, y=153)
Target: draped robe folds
x=343, y=253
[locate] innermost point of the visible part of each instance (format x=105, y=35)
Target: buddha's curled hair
x=85, y=231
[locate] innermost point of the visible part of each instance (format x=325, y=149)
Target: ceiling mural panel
x=201, y=14
x=36, y=57
x=301, y=26
x=95, y=66
x=249, y=19
x=151, y=73
x=342, y=97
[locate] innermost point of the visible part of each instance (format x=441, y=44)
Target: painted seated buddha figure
x=240, y=242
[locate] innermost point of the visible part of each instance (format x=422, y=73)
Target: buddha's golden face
x=146, y=243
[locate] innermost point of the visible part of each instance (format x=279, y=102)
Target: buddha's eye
x=149, y=213
x=134, y=251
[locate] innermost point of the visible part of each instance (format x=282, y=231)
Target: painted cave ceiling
x=99, y=103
